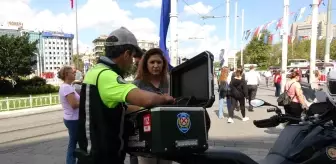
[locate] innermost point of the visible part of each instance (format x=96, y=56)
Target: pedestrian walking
x=253, y=81
x=277, y=83
x=70, y=103
x=223, y=91
x=267, y=75
x=238, y=92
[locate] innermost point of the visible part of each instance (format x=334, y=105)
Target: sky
x=142, y=17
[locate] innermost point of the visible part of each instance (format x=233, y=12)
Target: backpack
x=284, y=99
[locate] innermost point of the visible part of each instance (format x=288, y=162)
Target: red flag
x=72, y=4
x=279, y=24
x=270, y=39
x=320, y=2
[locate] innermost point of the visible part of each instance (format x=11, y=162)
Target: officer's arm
x=114, y=89
x=144, y=98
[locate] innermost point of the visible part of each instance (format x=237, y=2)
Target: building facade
x=33, y=37
x=57, y=50
x=98, y=45
x=146, y=44
x=302, y=30
x=11, y=28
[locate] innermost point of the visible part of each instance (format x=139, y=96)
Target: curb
x=29, y=111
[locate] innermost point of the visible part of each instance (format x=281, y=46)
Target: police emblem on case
x=183, y=122
x=331, y=152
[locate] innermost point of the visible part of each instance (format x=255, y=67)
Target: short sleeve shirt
x=113, y=89
x=69, y=112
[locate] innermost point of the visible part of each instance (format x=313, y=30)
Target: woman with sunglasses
x=152, y=77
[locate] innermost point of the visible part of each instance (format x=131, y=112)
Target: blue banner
x=164, y=24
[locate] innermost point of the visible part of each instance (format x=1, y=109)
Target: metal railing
x=8, y=104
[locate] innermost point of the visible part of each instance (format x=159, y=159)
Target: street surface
x=42, y=138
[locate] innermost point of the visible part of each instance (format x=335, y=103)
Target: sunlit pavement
x=21, y=146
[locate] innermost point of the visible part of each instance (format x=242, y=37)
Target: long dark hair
x=143, y=73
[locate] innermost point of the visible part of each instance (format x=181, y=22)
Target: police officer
x=103, y=97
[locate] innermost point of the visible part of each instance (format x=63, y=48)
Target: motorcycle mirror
x=257, y=102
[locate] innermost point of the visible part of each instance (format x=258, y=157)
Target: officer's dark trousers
x=252, y=92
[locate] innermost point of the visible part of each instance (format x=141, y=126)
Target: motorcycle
x=311, y=141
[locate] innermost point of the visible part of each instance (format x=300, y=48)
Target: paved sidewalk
x=50, y=149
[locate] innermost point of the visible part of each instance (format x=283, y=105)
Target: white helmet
x=331, y=86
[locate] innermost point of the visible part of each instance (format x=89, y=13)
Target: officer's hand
x=169, y=99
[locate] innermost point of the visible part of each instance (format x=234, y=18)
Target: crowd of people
x=235, y=87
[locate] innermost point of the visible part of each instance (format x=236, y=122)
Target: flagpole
x=227, y=33
x=284, y=44
x=313, y=40
x=328, y=35
x=173, y=32
x=235, y=32
x=77, y=48
x=242, y=39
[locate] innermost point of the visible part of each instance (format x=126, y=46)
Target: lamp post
x=313, y=40
x=284, y=44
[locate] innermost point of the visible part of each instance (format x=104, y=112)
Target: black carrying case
x=171, y=130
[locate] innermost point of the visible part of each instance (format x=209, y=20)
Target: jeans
x=277, y=89
x=234, y=103
x=221, y=106
x=72, y=126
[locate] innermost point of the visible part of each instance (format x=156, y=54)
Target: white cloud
x=105, y=16
x=149, y=3
x=197, y=8
x=101, y=15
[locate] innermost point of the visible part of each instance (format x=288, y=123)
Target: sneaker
x=221, y=117
x=230, y=120
x=246, y=119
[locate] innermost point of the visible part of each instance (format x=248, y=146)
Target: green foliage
x=35, y=85
x=265, y=55
x=216, y=65
x=78, y=62
x=257, y=52
x=17, y=56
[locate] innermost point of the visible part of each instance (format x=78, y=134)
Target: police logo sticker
x=331, y=152
x=121, y=80
x=183, y=122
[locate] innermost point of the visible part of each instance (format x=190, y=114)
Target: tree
x=257, y=52
x=78, y=62
x=17, y=56
x=216, y=65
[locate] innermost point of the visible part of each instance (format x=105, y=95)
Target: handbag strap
x=294, y=91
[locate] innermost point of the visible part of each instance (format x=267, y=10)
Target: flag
x=71, y=4
x=302, y=10
x=221, y=57
x=266, y=38
x=320, y=2
x=260, y=31
x=268, y=24
x=247, y=34
x=164, y=24
x=279, y=24
x=270, y=39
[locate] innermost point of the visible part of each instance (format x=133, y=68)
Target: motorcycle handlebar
x=271, y=109
x=274, y=121
x=267, y=123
